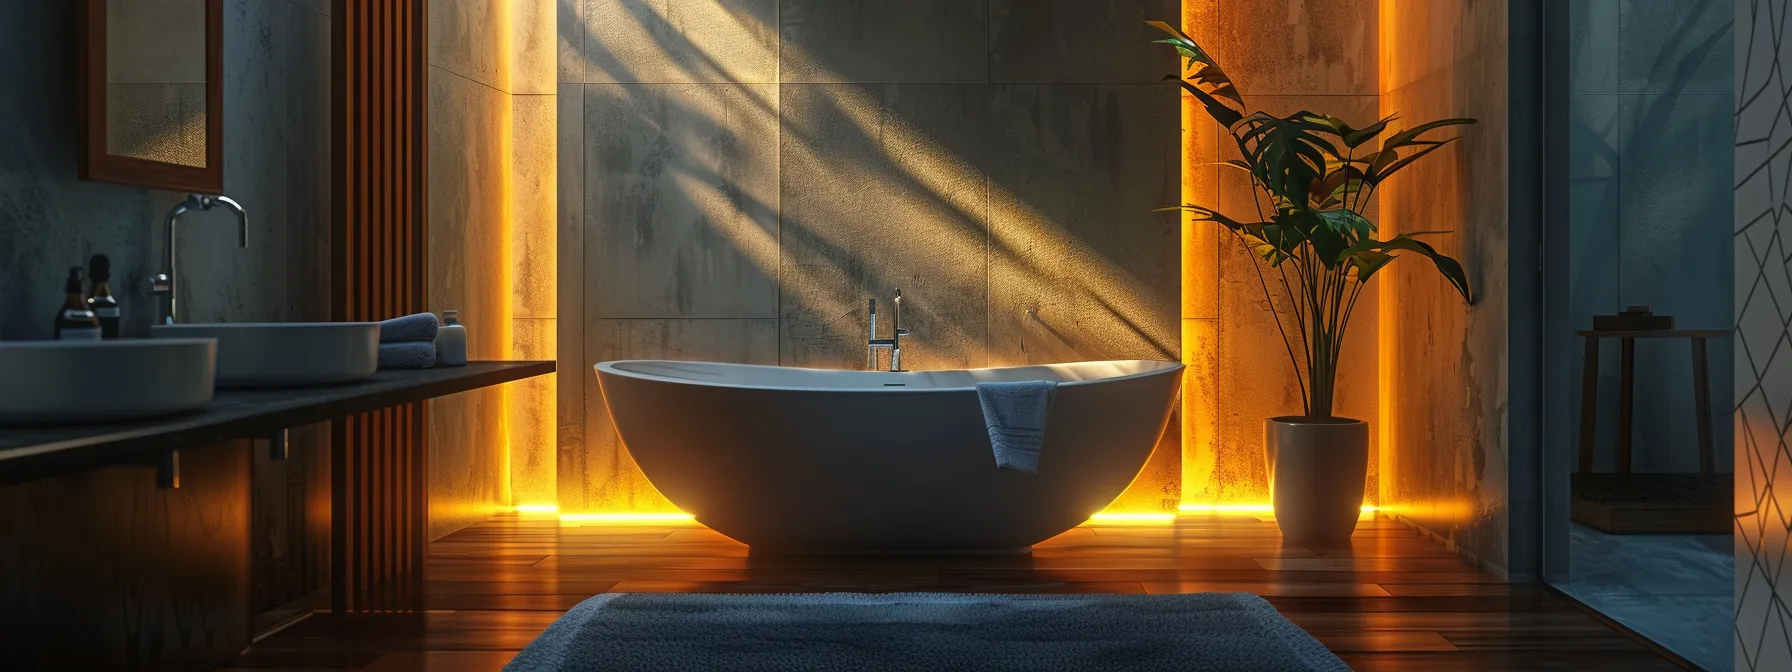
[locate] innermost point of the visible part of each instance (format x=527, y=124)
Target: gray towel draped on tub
x=1016, y=414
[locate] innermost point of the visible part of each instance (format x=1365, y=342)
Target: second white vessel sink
x=92, y=381
x=286, y=354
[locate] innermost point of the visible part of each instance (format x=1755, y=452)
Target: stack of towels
x=408, y=342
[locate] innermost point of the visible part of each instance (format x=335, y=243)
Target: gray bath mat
x=934, y=632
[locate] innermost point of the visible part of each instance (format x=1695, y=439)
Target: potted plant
x=1312, y=174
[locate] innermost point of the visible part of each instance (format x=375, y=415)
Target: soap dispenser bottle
x=74, y=321
x=99, y=299
x=451, y=340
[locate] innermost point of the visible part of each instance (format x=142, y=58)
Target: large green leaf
x=1367, y=262
x=1352, y=137
x=1386, y=165
x=1347, y=223
x=1358, y=137
x=1362, y=254
x=1389, y=160
x=1202, y=68
x=1275, y=243
x=1216, y=109
x=1340, y=180
x=1286, y=154
x=1402, y=138
x=1327, y=243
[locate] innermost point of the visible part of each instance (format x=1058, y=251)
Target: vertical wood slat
x=378, y=229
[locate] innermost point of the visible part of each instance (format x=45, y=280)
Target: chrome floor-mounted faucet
x=162, y=284
x=893, y=343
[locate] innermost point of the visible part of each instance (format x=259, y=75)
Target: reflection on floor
x=1674, y=589
x=1391, y=600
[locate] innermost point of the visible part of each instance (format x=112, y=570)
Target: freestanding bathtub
x=813, y=461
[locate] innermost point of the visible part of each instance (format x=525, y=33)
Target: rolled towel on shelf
x=419, y=327
x=408, y=355
x=1016, y=414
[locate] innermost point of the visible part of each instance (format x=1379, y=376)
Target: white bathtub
x=806, y=460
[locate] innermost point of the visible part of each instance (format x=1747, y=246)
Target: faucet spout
x=162, y=284
x=893, y=343
x=242, y=217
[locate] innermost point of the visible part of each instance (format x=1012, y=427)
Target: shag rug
x=934, y=632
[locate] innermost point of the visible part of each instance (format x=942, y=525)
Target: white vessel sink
x=286, y=354
x=92, y=381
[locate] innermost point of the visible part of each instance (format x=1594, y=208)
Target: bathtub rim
x=1166, y=367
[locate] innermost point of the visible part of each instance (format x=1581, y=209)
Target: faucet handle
x=901, y=332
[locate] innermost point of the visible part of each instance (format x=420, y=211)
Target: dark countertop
x=30, y=452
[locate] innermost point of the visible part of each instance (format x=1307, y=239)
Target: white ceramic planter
x=1316, y=471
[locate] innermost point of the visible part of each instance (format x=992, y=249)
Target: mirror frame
x=96, y=164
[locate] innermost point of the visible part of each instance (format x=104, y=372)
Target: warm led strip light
x=674, y=518
x=1163, y=518
x=1243, y=508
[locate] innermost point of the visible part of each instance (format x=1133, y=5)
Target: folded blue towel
x=419, y=327
x=1016, y=414
x=408, y=355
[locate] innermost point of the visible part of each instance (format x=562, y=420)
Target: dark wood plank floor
x=1392, y=600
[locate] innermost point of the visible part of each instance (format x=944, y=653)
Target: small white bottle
x=451, y=340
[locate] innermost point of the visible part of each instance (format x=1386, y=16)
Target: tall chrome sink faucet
x=162, y=284
x=893, y=343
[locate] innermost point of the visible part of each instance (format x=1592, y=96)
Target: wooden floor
x=1393, y=600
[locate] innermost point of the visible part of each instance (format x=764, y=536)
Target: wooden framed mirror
x=151, y=92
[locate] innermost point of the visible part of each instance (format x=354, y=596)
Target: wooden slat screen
x=379, y=189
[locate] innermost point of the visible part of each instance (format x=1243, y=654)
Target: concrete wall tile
x=1033, y=41
x=1200, y=411
x=534, y=233
x=468, y=262
x=467, y=210
x=883, y=187
x=572, y=367
x=571, y=66
x=1080, y=265
x=1444, y=379
x=1676, y=46
x=1285, y=47
x=467, y=39
x=681, y=200
x=1421, y=38
x=534, y=46
x=1593, y=46
x=883, y=41
x=531, y=416
x=671, y=41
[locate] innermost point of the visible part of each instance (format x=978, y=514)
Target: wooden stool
x=1626, y=503
x=1589, y=398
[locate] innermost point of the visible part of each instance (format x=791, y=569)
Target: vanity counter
x=32, y=452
